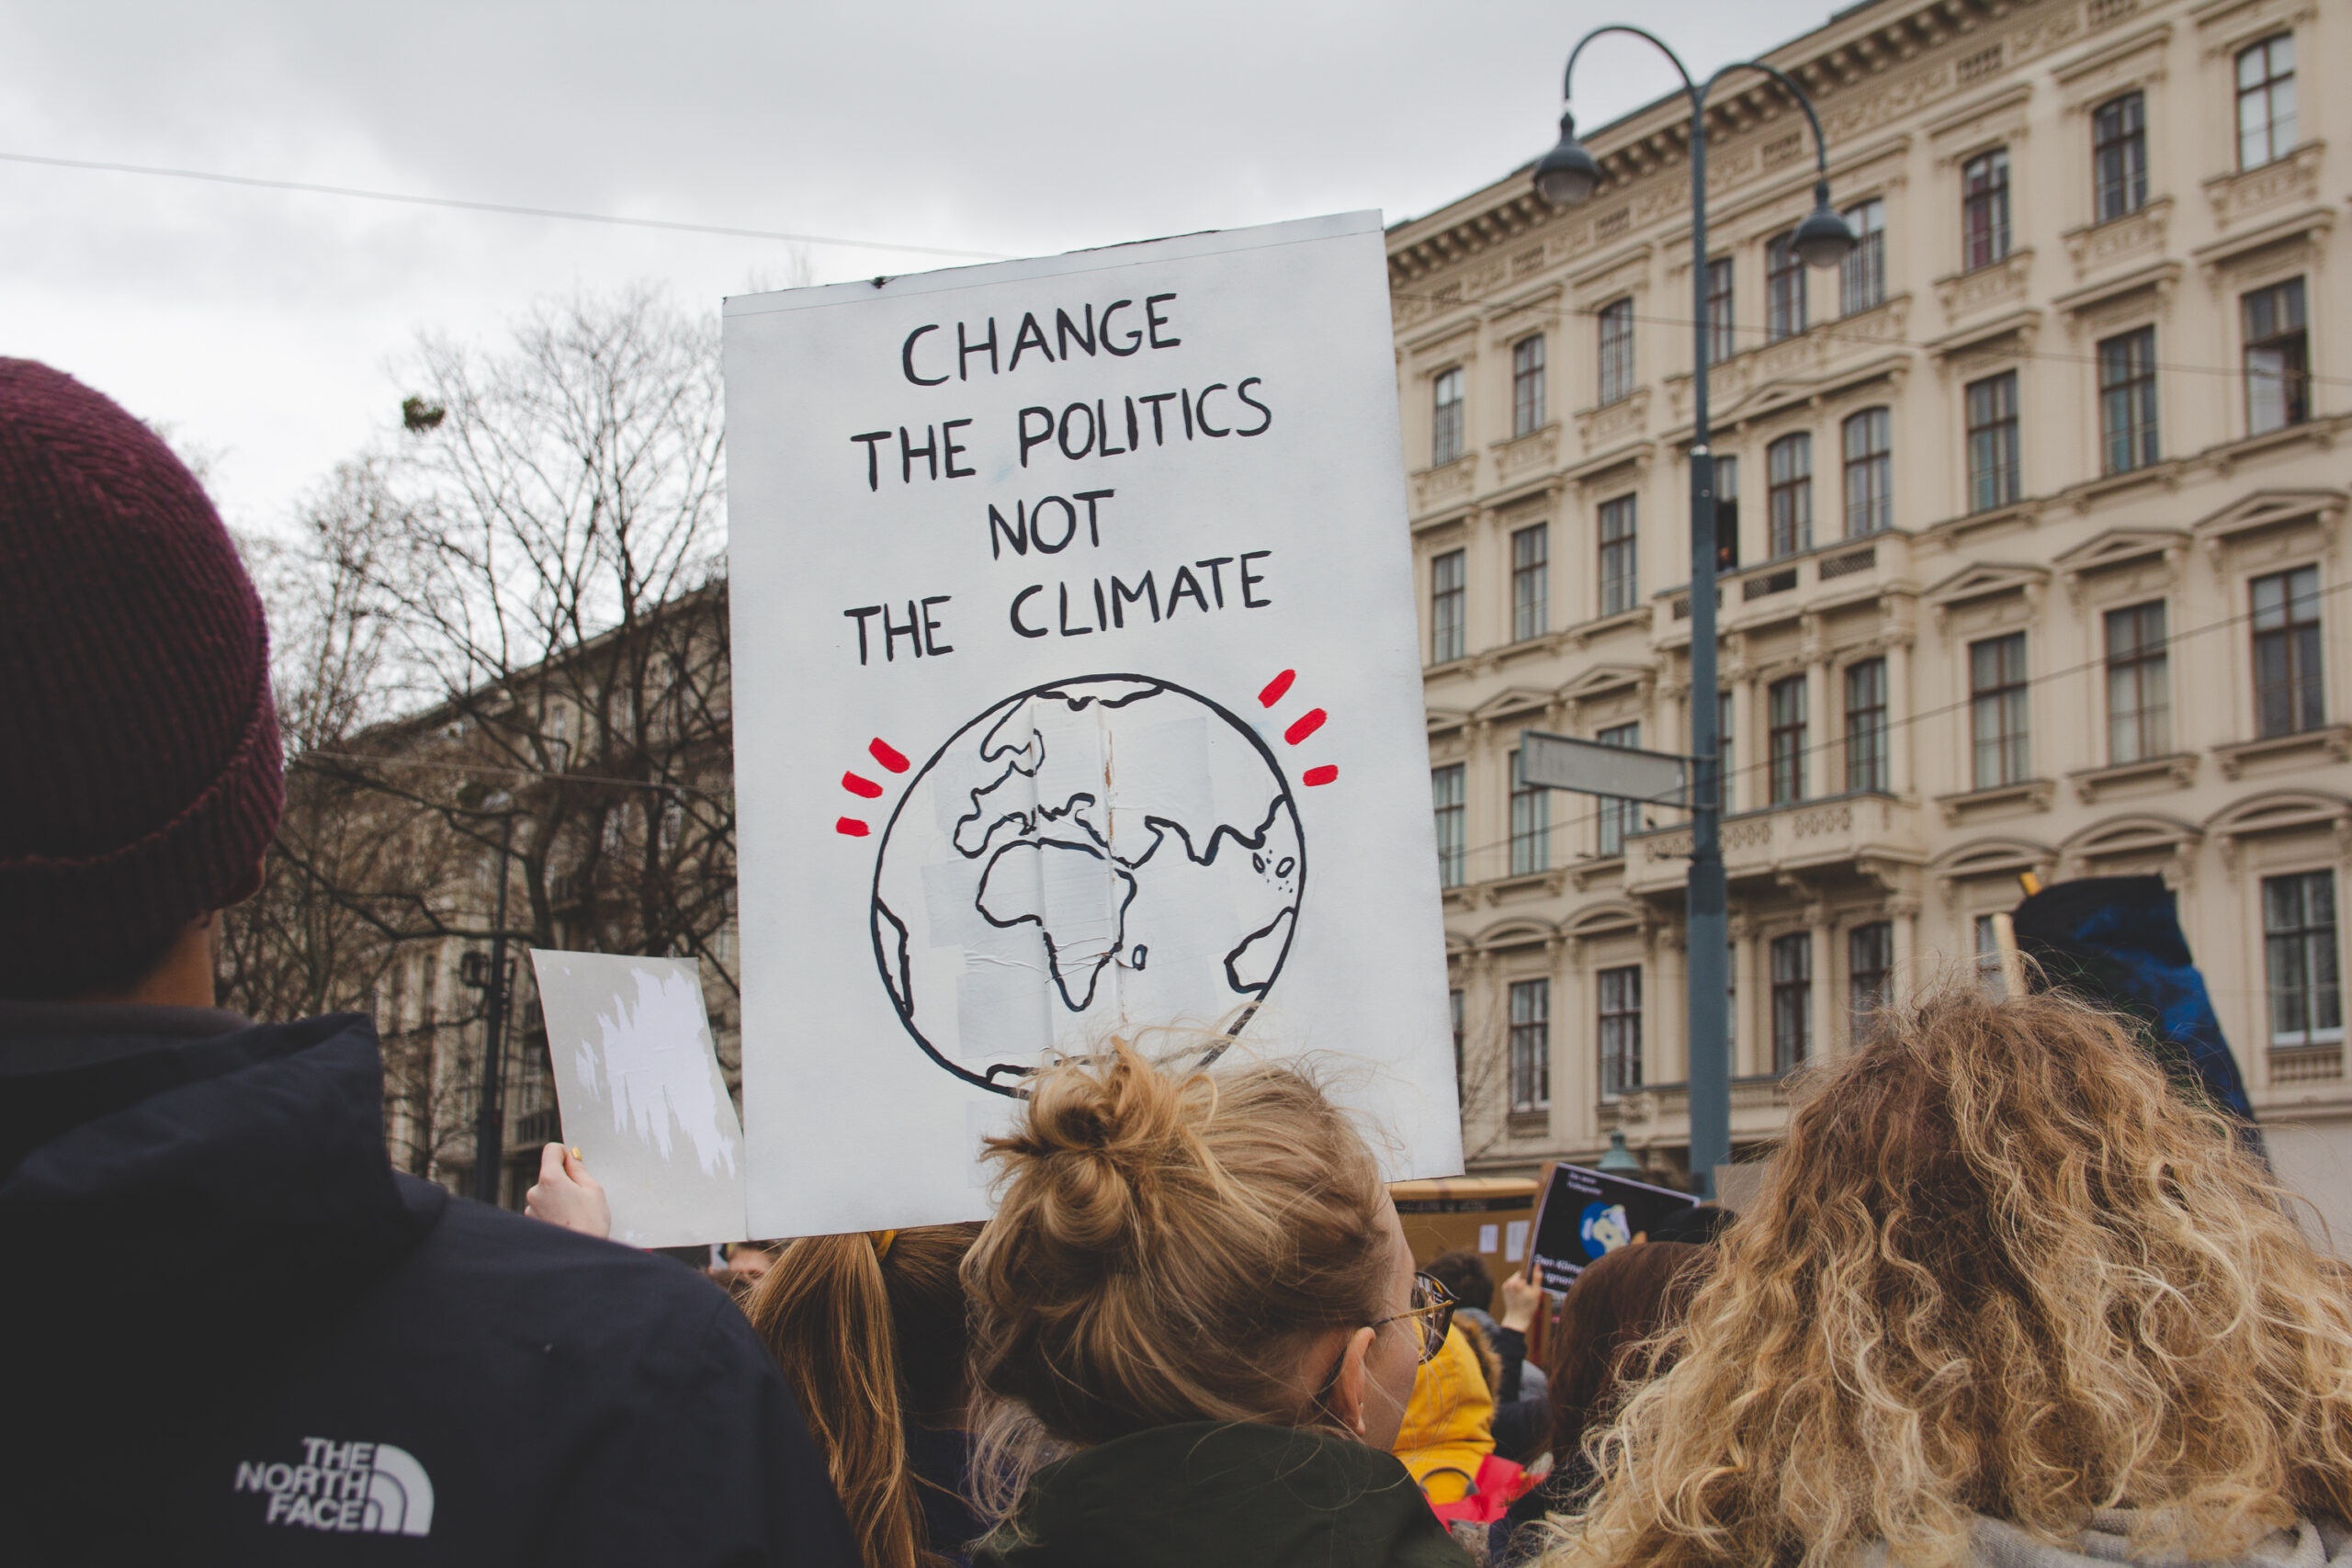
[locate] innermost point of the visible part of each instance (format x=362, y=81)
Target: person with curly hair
x=2007, y=1298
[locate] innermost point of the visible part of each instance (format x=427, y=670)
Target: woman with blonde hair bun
x=2007, y=1298
x=1198, y=1302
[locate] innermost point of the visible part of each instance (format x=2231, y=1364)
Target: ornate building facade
x=2031, y=560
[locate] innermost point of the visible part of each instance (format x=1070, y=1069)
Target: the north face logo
x=373, y=1488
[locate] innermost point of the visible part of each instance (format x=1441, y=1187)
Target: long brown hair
x=869, y=1339
x=2000, y=1269
x=1622, y=1299
x=1165, y=1242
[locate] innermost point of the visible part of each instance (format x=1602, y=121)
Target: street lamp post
x=1563, y=176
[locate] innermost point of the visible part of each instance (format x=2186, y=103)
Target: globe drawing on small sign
x=1085, y=854
x=1603, y=1228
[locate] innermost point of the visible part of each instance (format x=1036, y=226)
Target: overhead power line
x=510, y=208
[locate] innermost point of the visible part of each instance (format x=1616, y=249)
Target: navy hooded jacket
x=230, y=1332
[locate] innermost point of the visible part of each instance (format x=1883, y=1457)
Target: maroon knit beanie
x=139, y=774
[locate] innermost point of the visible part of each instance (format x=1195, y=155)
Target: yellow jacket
x=1449, y=1424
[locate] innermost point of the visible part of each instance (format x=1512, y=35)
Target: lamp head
x=1567, y=175
x=1823, y=239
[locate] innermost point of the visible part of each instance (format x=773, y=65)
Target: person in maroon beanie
x=316, y=1346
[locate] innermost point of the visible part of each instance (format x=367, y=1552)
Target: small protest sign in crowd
x=1093, y=1000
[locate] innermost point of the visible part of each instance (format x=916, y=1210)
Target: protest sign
x=638, y=1084
x=1587, y=1212
x=1077, y=689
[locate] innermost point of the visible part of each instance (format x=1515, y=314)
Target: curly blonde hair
x=1999, y=1267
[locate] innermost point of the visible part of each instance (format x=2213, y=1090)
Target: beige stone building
x=2034, y=559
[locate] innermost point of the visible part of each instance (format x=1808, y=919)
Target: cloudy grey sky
x=266, y=327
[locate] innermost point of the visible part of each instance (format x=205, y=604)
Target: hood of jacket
x=234, y=1173
x=1235, y=1493
x=1450, y=1421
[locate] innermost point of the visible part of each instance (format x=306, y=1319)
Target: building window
x=1454, y=1002
x=1527, y=386
x=1621, y=1029
x=1786, y=700
x=2120, y=156
x=1984, y=209
x=2127, y=400
x=1445, y=424
x=1869, y=473
x=1446, y=795
x=2298, y=952
x=1618, y=818
x=1448, y=636
x=2267, y=101
x=1870, y=971
x=1727, y=771
x=1989, y=958
x=1791, y=1000
x=1530, y=581
x=1530, y=1044
x=2277, y=357
x=2139, y=685
x=1620, y=583
x=1783, y=288
x=1997, y=707
x=1721, y=343
x=1727, y=514
x=1531, y=823
x=1616, y=350
x=2287, y=695
x=1861, y=276
x=1866, y=759
x=1788, y=496
x=1993, y=466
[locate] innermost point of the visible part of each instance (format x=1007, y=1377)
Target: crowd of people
x=2007, y=1295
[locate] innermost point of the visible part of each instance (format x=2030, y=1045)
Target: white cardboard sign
x=1077, y=689
x=638, y=1085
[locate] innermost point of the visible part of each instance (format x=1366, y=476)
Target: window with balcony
x=1861, y=276
x=1994, y=472
x=1788, y=496
x=2139, y=685
x=1984, y=209
x=1527, y=386
x=1866, y=758
x=1619, y=567
x=1618, y=818
x=1531, y=823
x=1530, y=1044
x=1616, y=330
x=2277, y=357
x=1445, y=418
x=2267, y=101
x=1621, y=1029
x=1727, y=770
x=1722, y=342
x=2299, y=959
x=1727, y=514
x=1783, y=288
x=2127, y=400
x=1447, y=795
x=1869, y=472
x=1791, y=1000
x=1530, y=581
x=1449, y=577
x=2287, y=698
x=2120, y=156
x=1869, y=972
x=1785, y=701
x=1996, y=708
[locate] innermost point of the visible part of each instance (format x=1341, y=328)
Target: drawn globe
x=1093, y=853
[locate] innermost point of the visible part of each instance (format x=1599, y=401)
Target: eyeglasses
x=1432, y=1313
